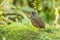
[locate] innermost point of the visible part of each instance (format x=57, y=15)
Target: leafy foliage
x=15, y=22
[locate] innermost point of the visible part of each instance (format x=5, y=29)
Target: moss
x=20, y=32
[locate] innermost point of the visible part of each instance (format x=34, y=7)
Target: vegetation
x=15, y=22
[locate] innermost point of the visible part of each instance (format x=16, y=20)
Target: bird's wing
x=39, y=21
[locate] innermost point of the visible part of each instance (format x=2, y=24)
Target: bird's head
x=33, y=13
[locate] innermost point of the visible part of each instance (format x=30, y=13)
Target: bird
x=36, y=20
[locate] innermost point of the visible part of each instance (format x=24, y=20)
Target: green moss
x=22, y=32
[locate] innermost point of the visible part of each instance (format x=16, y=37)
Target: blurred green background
x=15, y=22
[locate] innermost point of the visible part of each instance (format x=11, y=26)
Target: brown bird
x=36, y=20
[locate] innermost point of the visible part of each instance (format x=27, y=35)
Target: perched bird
x=36, y=20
